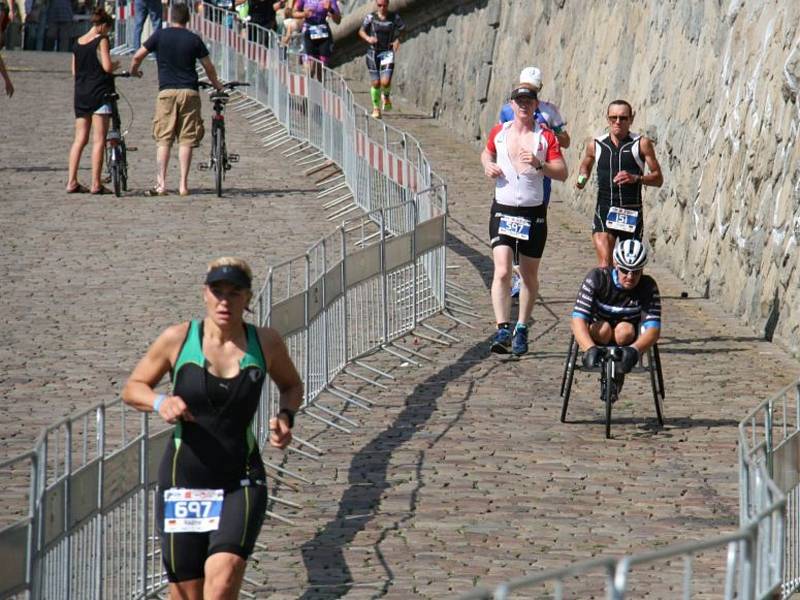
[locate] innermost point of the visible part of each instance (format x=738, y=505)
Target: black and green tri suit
x=216, y=451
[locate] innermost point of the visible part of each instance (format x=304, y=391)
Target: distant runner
x=381, y=30
x=621, y=157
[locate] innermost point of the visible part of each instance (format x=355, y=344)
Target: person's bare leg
x=186, y=590
x=601, y=333
x=224, y=574
x=624, y=334
x=162, y=161
x=604, y=247
x=185, y=159
x=529, y=272
x=82, y=126
x=501, y=301
x=99, y=130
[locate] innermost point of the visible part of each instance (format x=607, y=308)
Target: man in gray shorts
x=178, y=105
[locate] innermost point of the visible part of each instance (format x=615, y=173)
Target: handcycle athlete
x=612, y=304
x=381, y=30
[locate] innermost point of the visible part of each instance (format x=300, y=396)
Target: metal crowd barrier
x=77, y=511
x=124, y=25
x=374, y=278
x=761, y=560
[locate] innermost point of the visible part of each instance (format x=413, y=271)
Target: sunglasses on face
x=621, y=118
x=624, y=271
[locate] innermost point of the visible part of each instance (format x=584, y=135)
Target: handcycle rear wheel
x=566, y=378
x=217, y=161
x=654, y=384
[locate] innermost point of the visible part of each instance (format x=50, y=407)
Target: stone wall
x=713, y=82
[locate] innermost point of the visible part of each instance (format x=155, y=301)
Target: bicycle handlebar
x=230, y=85
x=122, y=74
x=611, y=352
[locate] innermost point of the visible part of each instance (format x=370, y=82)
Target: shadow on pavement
x=328, y=573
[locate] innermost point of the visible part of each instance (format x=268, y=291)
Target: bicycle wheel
x=114, y=168
x=123, y=166
x=607, y=395
x=219, y=166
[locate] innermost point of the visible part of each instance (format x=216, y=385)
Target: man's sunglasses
x=624, y=271
x=621, y=118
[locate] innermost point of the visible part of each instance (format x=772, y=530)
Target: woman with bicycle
x=212, y=491
x=92, y=67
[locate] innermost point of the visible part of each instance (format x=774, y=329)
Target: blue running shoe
x=519, y=345
x=516, y=284
x=501, y=341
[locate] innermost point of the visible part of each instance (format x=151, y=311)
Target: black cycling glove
x=630, y=356
x=591, y=358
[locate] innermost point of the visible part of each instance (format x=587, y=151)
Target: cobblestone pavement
x=90, y=281
x=462, y=472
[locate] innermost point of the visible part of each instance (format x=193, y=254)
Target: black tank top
x=611, y=160
x=92, y=83
x=218, y=449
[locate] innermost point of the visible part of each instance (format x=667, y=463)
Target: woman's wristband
x=159, y=400
x=289, y=416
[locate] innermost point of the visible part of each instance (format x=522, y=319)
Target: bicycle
x=220, y=159
x=116, y=149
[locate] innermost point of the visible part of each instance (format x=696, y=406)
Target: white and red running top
x=526, y=188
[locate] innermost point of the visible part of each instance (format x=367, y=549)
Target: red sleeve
x=490, y=142
x=553, y=147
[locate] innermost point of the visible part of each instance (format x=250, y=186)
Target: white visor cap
x=531, y=75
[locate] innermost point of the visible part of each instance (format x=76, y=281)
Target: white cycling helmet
x=630, y=254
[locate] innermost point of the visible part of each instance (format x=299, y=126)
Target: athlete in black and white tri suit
x=621, y=157
x=212, y=492
x=381, y=30
x=518, y=156
x=614, y=303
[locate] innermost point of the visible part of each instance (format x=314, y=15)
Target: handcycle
x=116, y=149
x=610, y=367
x=220, y=159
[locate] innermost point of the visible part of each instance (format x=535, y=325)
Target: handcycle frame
x=610, y=361
x=220, y=160
x=116, y=150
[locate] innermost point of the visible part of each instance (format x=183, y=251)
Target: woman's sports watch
x=289, y=416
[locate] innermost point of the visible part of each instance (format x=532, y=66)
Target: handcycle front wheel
x=608, y=397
